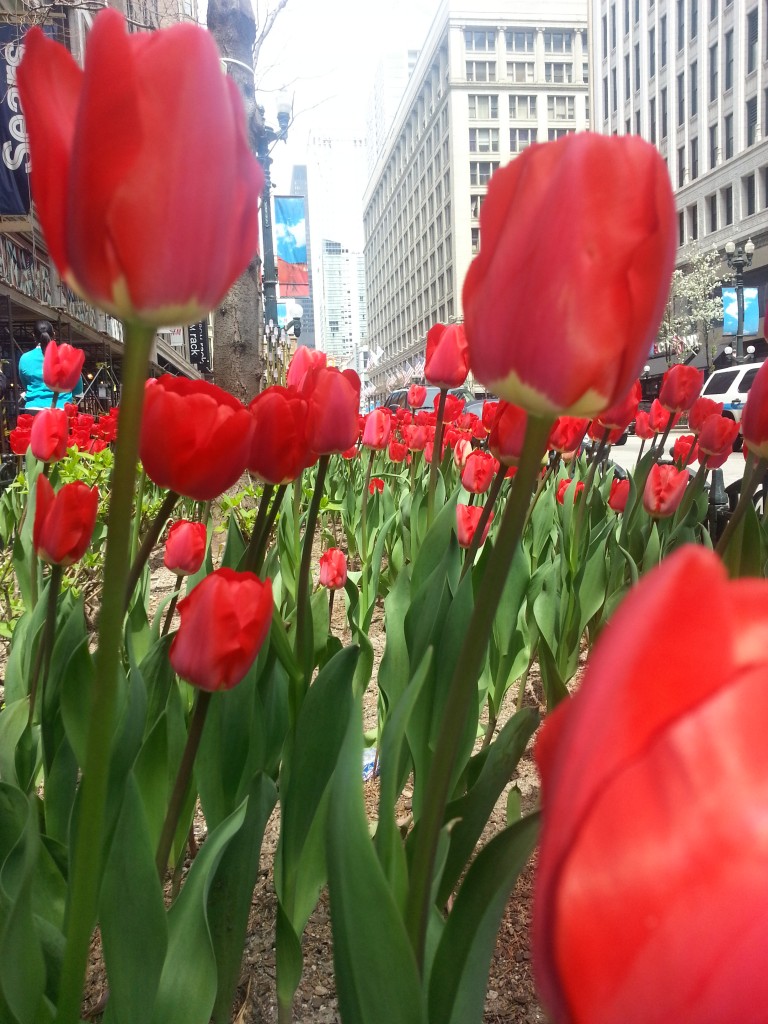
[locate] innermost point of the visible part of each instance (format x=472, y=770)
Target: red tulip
x=467, y=519
x=453, y=407
x=280, y=446
x=643, y=426
x=195, y=438
x=333, y=569
x=185, y=547
x=716, y=439
x=664, y=490
x=461, y=452
x=130, y=218
x=429, y=448
x=680, y=387
x=478, y=472
x=567, y=433
x=562, y=489
x=488, y=414
x=351, y=453
x=64, y=521
x=415, y=437
x=62, y=366
x=447, y=363
x=19, y=439
x=333, y=397
x=684, y=450
x=651, y=892
x=304, y=359
x=417, y=396
x=508, y=433
x=225, y=620
x=375, y=484
x=404, y=416
x=578, y=244
x=48, y=439
x=617, y=499
x=378, y=425
x=699, y=411
x=621, y=413
x=754, y=420
x=397, y=451
x=602, y=434
x=659, y=417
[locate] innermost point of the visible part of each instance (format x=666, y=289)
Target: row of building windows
x=525, y=71
x=680, y=24
x=522, y=107
x=718, y=210
x=518, y=40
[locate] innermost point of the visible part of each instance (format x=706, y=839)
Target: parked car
x=399, y=399
x=731, y=386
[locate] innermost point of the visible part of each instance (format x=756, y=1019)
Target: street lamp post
x=267, y=140
x=739, y=258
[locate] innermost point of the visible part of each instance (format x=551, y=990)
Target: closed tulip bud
x=716, y=439
x=453, y=407
x=621, y=413
x=587, y=215
x=375, y=484
x=680, y=387
x=49, y=435
x=64, y=521
x=467, y=520
x=185, y=547
x=447, y=359
x=378, y=425
x=62, y=366
x=397, y=451
x=754, y=420
x=19, y=439
x=567, y=433
x=617, y=499
x=508, y=433
x=700, y=410
x=664, y=490
x=416, y=437
x=280, y=448
x=660, y=418
x=417, y=396
x=643, y=428
x=195, y=438
x=684, y=450
x=124, y=212
x=225, y=620
x=333, y=569
x=564, y=486
x=651, y=892
x=334, y=398
x=478, y=472
x=461, y=452
x=304, y=359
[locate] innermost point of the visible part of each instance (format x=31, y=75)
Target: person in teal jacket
x=33, y=388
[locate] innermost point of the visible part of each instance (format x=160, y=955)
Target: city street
x=626, y=456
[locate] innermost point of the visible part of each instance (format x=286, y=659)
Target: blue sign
x=731, y=312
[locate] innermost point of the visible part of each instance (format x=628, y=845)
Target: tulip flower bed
x=149, y=746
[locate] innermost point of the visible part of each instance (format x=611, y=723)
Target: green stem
x=88, y=854
x=183, y=776
x=249, y=559
x=172, y=606
x=44, y=651
x=138, y=513
x=364, y=533
x=274, y=508
x=437, y=455
x=303, y=618
x=583, y=501
x=752, y=476
x=640, y=453
x=462, y=691
x=148, y=542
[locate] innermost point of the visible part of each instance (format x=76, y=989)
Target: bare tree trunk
x=238, y=322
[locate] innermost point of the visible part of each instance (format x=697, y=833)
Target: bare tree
x=238, y=323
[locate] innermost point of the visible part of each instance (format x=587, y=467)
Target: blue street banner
x=14, y=150
x=291, y=244
x=731, y=312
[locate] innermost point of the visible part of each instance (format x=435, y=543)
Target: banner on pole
x=291, y=244
x=731, y=311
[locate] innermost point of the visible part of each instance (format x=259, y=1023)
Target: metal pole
x=739, y=267
x=270, y=270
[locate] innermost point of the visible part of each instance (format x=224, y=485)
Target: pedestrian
x=36, y=394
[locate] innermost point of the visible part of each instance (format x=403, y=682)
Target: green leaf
x=472, y=811
x=133, y=923
x=394, y=670
x=376, y=974
x=459, y=974
x=433, y=546
x=235, y=546
x=229, y=901
x=77, y=699
x=187, y=990
x=13, y=722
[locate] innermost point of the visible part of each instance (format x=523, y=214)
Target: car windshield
x=746, y=383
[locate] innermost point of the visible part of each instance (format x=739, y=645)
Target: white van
x=731, y=387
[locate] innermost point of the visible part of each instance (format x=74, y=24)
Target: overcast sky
x=324, y=53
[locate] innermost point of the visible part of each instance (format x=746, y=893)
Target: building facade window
x=728, y=60
x=481, y=70
x=727, y=194
x=614, y=91
x=558, y=41
x=680, y=24
x=522, y=107
x=627, y=76
x=751, y=40
x=728, y=136
x=694, y=162
x=680, y=166
x=479, y=40
x=713, y=5
x=750, y=195
x=613, y=26
x=663, y=40
x=558, y=133
x=713, y=67
x=605, y=97
x=694, y=18
x=520, y=139
x=752, y=121
x=664, y=119
x=483, y=107
x=605, y=36
x=558, y=71
x=712, y=208
x=681, y=99
x=712, y=146
x=652, y=52
x=693, y=222
x=652, y=119
x=693, y=88
x=520, y=70
x=681, y=228
x=561, y=108
x=481, y=170
x=637, y=67
x=522, y=40
x=483, y=140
